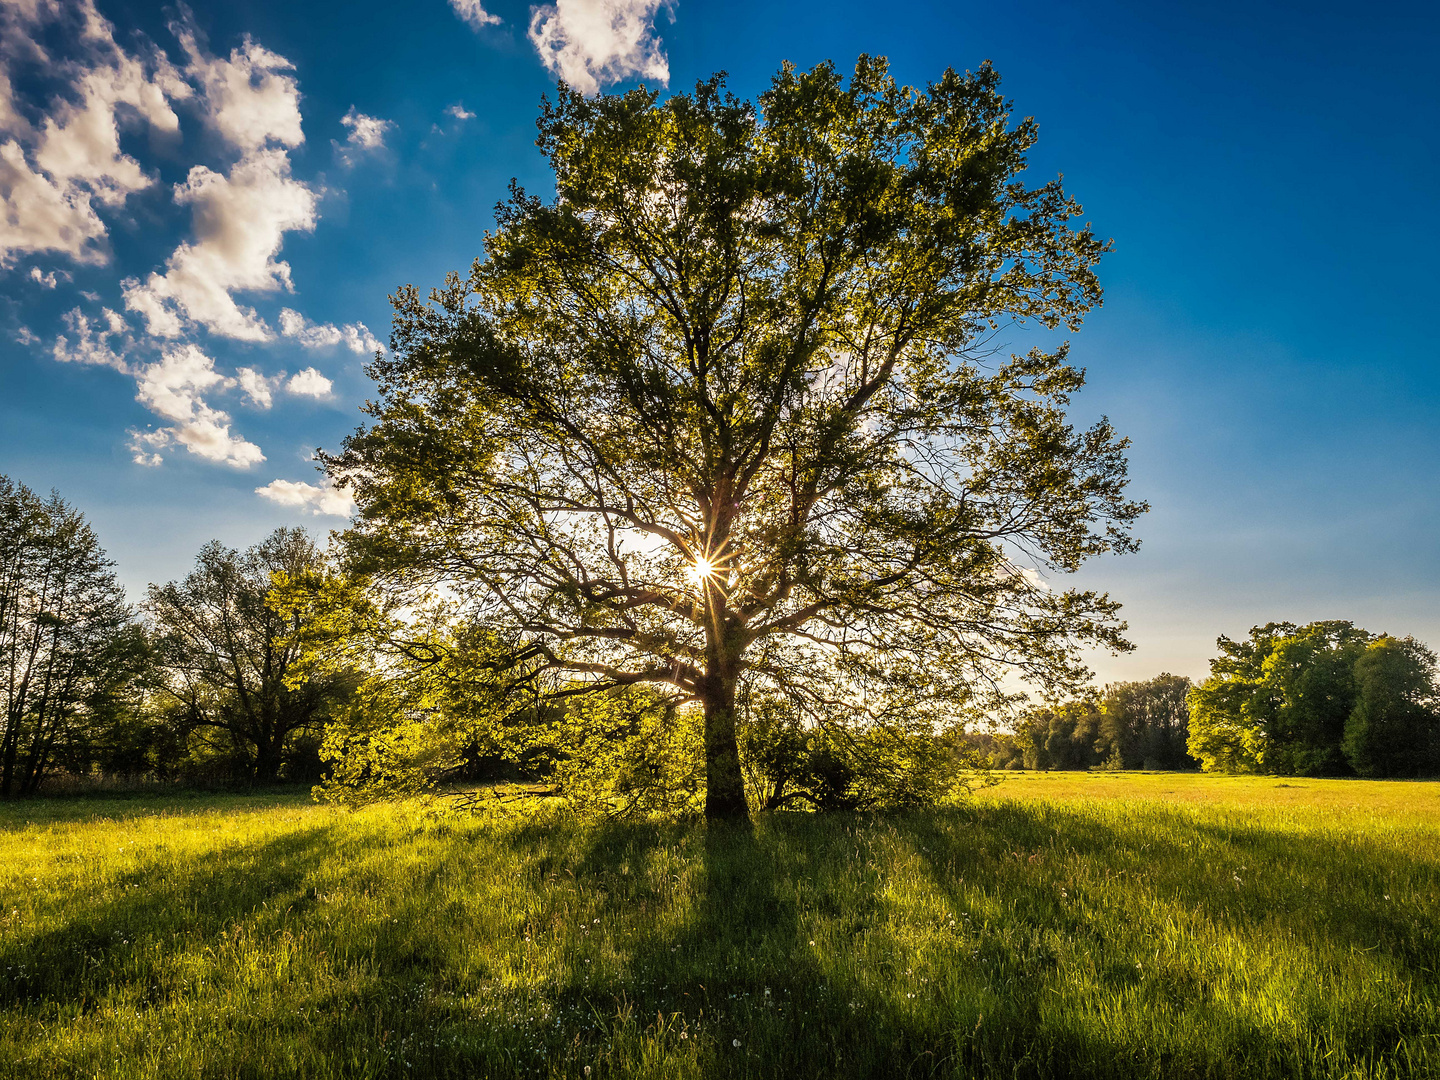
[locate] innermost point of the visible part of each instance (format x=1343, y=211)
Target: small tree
x=69, y=649
x=722, y=415
x=225, y=653
x=1393, y=727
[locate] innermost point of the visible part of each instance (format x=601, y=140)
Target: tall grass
x=1110, y=927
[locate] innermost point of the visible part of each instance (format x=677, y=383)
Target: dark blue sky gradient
x=1268, y=174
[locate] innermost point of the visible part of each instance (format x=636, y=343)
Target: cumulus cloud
x=367, y=136
x=316, y=498
x=26, y=336
x=459, y=112
x=590, y=43
x=249, y=98
x=240, y=218
x=474, y=13
x=172, y=388
x=309, y=383
x=62, y=170
x=54, y=177
x=240, y=221
x=354, y=336
x=260, y=389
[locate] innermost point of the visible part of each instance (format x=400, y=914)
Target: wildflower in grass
x=735, y=1042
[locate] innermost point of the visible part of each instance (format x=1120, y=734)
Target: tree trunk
x=7, y=756
x=268, y=754
x=724, y=784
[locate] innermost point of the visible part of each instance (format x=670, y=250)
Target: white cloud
x=355, y=336
x=172, y=388
x=589, y=43
x=146, y=302
x=240, y=218
x=474, y=13
x=317, y=498
x=38, y=215
x=240, y=221
x=367, y=135
x=258, y=388
x=459, y=112
x=145, y=446
x=309, y=383
x=52, y=179
x=358, y=339
x=249, y=100
x=26, y=336
x=91, y=341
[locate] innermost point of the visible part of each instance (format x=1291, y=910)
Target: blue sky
x=206, y=209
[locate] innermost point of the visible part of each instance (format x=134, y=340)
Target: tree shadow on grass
x=120, y=935
x=1027, y=857
x=18, y=814
x=695, y=925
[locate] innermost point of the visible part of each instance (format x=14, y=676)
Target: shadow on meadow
x=120, y=934
x=120, y=806
x=1005, y=939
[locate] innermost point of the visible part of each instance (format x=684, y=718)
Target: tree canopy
x=724, y=417
x=225, y=652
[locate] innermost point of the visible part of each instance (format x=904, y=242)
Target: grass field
x=1059, y=926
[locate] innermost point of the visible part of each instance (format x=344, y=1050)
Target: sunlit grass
x=1162, y=926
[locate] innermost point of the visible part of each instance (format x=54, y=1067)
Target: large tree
x=226, y=653
x=725, y=414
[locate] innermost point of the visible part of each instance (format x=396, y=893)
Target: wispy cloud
x=172, y=389
x=367, y=136
x=459, y=112
x=591, y=43
x=354, y=336
x=88, y=341
x=49, y=279
x=474, y=13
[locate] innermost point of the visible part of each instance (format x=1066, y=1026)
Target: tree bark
x=724, y=784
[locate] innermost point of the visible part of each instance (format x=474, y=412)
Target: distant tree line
x=1127, y=725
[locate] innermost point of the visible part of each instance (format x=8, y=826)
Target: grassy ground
x=1061, y=926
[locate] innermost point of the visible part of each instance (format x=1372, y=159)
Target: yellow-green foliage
x=1105, y=925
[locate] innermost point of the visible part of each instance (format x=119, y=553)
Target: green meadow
x=1079, y=925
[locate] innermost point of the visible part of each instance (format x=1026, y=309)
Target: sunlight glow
x=702, y=571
